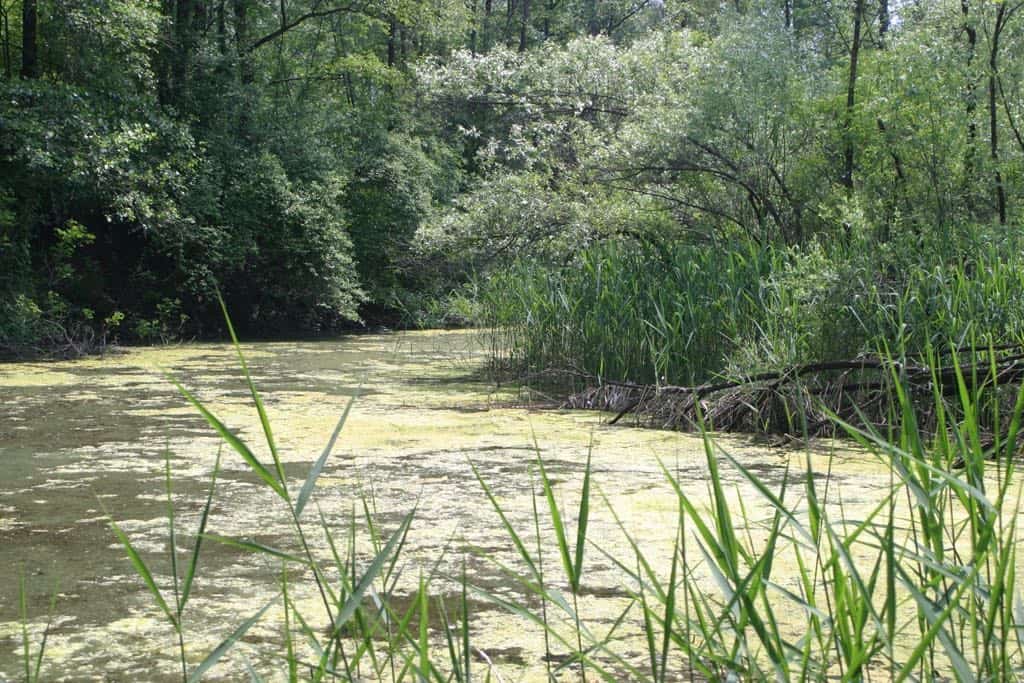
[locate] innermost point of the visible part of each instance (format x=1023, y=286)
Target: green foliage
x=169, y=133
x=684, y=315
x=320, y=164
x=672, y=314
x=386, y=200
x=165, y=327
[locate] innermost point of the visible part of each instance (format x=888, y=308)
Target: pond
x=80, y=440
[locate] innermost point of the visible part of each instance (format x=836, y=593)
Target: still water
x=84, y=439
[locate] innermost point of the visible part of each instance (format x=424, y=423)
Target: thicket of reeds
x=764, y=339
x=685, y=315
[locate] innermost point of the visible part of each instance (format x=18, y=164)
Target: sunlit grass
x=685, y=314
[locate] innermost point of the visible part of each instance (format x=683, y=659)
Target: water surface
x=80, y=440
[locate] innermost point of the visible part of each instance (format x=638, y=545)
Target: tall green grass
x=923, y=586
x=685, y=314
x=627, y=312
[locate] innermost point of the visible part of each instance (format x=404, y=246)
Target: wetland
x=81, y=440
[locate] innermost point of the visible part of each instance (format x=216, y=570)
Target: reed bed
x=686, y=315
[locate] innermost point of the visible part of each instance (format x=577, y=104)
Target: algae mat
x=79, y=440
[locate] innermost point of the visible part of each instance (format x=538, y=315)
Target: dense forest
x=645, y=189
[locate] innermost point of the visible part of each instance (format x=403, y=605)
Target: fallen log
x=801, y=400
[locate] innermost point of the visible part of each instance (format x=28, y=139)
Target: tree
x=851, y=93
x=6, y=39
x=1004, y=13
x=29, y=46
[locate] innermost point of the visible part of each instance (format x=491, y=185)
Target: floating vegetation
x=702, y=564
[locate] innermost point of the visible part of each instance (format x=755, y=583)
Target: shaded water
x=80, y=438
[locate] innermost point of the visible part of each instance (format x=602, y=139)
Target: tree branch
x=314, y=13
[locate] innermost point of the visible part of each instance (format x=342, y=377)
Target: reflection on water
x=78, y=438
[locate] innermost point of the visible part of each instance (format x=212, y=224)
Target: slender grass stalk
x=540, y=572
x=33, y=666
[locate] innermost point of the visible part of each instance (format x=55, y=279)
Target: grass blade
x=26, y=655
x=581, y=526
x=233, y=441
x=318, y=466
x=355, y=598
x=143, y=571
x=228, y=643
x=556, y=521
x=254, y=547
x=46, y=633
x=520, y=546
x=190, y=573
x=261, y=411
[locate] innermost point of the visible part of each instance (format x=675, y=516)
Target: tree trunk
x=245, y=69
x=971, y=99
x=5, y=43
x=222, y=30
x=183, y=47
x=200, y=20
x=163, y=57
x=510, y=12
x=851, y=89
x=392, y=37
x=593, y=24
x=29, y=46
x=472, y=31
x=993, y=71
x=884, y=20
x=900, y=179
x=524, y=26
x=485, y=37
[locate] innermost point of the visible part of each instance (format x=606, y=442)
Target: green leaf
x=233, y=441
x=355, y=598
x=318, y=466
x=264, y=420
x=556, y=521
x=143, y=571
x=190, y=574
x=228, y=643
x=46, y=631
x=936, y=619
x=252, y=546
x=581, y=525
x=516, y=540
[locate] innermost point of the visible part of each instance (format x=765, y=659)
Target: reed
x=686, y=314
x=625, y=312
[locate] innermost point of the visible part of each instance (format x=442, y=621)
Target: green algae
x=98, y=431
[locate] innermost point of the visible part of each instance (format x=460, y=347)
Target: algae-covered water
x=80, y=440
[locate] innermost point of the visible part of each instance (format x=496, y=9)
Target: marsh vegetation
x=792, y=217
x=544, y=545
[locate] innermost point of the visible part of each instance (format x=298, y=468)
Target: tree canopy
x=328, y=163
